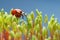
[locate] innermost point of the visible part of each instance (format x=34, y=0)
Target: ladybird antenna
x=24, y=14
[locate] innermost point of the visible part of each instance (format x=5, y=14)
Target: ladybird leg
x=22, y=16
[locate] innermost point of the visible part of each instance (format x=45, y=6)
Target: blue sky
x=48, y=7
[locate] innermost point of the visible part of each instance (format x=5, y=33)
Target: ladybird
x=17, y=12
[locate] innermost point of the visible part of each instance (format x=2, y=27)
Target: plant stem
x=59, y=36
x=1, y=36
x=12, y=38
x=32, y=29
x=20, y=37
x=26, y=37
x=51, y=34
x=37, y=35
x=6, y=35
x=44, y=37
x=41, y=37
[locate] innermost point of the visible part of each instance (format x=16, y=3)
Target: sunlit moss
x=18, y=26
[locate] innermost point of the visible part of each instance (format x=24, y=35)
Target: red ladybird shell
x=17, y=12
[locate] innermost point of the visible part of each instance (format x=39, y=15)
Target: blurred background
x=48, y=7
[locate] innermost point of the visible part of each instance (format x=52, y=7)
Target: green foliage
x=46, y=19
x=39, y=15
x=12, y=24
x=12, y=34
x=34, y=37
x=36, y=28
x=44, y=31
x=32, y=14
x=51, y=23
